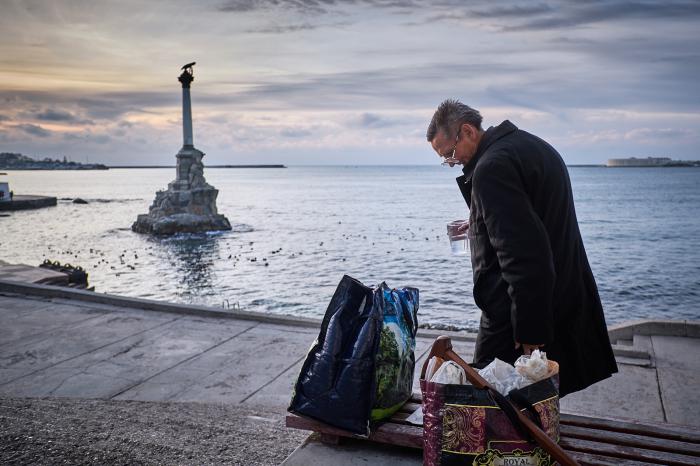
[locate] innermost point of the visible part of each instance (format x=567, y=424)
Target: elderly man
x=532, y=279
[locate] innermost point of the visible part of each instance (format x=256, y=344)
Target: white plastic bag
x=450, y=373
x=534, y=367
x=503, y=377
x=433, y=364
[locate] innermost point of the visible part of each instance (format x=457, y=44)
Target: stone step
x=641, y=362
x=643, y=342
x=630, y=352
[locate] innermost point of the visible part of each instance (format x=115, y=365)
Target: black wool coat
x=532, y=279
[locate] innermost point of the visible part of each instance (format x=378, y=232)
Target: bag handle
x=442, y=347
x=521, y=401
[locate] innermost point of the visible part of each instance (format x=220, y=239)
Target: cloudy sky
x=345, y=82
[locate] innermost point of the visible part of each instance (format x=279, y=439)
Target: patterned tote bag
x=476, y=425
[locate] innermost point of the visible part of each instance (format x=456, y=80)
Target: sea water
x=296, y=231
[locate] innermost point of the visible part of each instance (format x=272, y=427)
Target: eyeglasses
x=451, y=160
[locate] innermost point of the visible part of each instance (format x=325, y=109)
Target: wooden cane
x=442, y=347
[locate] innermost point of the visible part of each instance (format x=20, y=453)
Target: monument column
x=189, y=203
x=186, y=78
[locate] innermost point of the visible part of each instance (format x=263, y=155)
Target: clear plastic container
x=459, y=243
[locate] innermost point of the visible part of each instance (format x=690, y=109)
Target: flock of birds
x=188, y=256
x=129, y=259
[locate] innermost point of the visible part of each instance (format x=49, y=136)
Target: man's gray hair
x=449, y=116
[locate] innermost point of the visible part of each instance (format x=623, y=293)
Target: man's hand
x=463, y=227
x=527, y=349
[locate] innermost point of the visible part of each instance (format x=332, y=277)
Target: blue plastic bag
x=360, y=368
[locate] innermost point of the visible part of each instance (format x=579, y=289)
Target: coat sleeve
x=522, y=247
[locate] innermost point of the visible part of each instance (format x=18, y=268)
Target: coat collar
x=493, y=134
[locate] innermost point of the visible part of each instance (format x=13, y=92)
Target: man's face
x=462, y=146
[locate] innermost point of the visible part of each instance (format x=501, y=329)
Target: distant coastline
x=16, y=161
x=206, y=166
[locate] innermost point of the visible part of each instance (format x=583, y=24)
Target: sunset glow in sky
x=344, y=82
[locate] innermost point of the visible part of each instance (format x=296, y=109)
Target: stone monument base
x=189, y=203
x=180, y=223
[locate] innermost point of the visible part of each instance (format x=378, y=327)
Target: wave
x=101, y=200
x=241, y=228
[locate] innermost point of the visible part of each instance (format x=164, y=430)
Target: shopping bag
x=475, y=425
x=360, y=368
x=395, y=361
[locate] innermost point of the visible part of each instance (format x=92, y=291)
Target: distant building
x=4, y=188
x=635, y=162
x=652, y=162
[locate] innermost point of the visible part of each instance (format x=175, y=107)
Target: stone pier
x=24, y=202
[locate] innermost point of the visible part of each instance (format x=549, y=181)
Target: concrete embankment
x=134, y=357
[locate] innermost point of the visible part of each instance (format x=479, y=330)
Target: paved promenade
x=62, y=348
x=68, y=343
